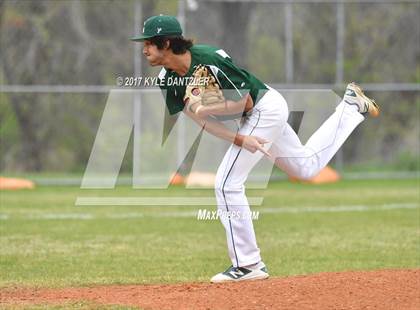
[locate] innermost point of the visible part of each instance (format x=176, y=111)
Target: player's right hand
x=254, y=143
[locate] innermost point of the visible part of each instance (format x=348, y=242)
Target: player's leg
x=269, y=121
x=230, y=196
x=308, y=160
x=266, y=121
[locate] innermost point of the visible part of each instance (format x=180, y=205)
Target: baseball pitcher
x=264, y=130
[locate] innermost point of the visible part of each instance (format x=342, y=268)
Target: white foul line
x=193, y=214
x=154, y=201
x=343, y=208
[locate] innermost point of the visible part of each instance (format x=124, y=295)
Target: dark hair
x=178, y=44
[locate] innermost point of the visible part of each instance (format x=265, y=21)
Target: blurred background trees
x=86, y=43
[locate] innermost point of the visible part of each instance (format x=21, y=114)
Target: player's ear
x=167, y=44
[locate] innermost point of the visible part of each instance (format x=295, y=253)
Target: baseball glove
x=204, y=89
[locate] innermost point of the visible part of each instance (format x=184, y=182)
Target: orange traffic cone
x=327, y=175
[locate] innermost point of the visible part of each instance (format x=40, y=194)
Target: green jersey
x=228, y=75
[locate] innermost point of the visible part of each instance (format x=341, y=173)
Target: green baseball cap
x=160, y=25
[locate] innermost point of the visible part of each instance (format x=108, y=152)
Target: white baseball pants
x=268, y=120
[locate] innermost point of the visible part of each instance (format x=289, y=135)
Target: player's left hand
x=201, y=111
x=198, y=109
x=192, y=106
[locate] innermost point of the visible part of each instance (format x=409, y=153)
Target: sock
x=253, y=266
x=353, y=107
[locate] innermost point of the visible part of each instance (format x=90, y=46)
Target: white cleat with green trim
x=236, y=274
x=355, y=96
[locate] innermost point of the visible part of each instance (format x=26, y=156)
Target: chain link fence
x=60, y=59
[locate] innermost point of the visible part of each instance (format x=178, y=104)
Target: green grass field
x=47, y=241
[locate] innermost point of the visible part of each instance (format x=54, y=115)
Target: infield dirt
x=383, y=289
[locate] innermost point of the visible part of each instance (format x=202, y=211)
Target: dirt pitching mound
x=385, y=289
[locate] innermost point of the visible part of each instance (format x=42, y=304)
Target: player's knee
x=307, y=174
x=225, y=187
x=307, y=167
x=218, y=184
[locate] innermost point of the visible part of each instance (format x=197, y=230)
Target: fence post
x=181, y=128
x=339, y=67
x=137, y=97
x=289, y=41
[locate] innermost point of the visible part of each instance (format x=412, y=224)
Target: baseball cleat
x=354, y=96
x=236, y=274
